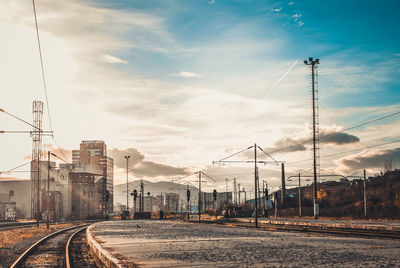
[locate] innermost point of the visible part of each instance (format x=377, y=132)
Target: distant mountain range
x=155, y=188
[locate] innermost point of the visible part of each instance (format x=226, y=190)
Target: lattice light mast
x=313, y=64
x=37, y=109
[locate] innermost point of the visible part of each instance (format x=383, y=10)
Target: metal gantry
x=255, y=161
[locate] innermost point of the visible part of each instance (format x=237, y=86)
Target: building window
x=11, y=193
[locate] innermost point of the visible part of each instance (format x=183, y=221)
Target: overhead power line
x=336, y=132
x=41, y=63
x=59, y=148
x=349, y=151
x=235, y=154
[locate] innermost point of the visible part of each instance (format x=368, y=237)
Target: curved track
x=50, y=251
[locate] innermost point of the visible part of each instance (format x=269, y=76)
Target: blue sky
x=185, y=82
x=355, y=33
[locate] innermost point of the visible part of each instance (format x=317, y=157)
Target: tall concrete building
x=95, y=153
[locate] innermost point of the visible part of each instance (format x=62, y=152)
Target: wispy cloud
x=276, y=9
x=188, y=75
x=290, y=3
x=297, y=16
x=112, y=59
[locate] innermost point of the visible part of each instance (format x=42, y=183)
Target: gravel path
x=167, y=244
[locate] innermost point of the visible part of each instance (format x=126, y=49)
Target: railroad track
x=17, y=225
x=315, y=229
x=53, y=250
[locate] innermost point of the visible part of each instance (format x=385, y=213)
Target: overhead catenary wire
x=276, y=162
x=348, y=151
x=235, y=153
x=336, y=132
x=41, y=63
x=59, y=148
x=22, y=120
x=17, y=167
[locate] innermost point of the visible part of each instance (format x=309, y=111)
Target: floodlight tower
x=37, y=110
x=313, y=64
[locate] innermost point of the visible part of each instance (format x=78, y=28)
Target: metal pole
x=226, y=183
x=299, y=197
x=127, y=174
x=283, y=190
x=365, y=194
x=314, y=141
x=239, y=193
x=263, y=188
x=141, y=195
x=48, y=191
x=199, y=201
x=38, y=194
x=255, y=186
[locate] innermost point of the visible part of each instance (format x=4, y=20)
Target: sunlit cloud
x=112, y=59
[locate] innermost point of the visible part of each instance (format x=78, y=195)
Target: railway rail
x=17, y=225
x=315, y=229
x=53, y=250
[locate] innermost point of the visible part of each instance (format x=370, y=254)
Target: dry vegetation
x=11, y=237
x=383, y=200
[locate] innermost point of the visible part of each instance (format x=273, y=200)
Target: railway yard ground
x=210, y=243
x=15, y=241
x=152, y=243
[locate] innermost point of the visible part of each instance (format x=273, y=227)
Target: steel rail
x=33, y=247
x=319, y=229
x=68, y=247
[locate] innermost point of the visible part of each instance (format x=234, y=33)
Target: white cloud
x=290, y=3
x=188, y=75
x=297, y=16
x=276, y=9
x=111, y=59
x=211, y=2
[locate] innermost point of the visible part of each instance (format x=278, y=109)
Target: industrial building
x=224, y=198
x=79, y=190
x=94, y=153
x=17, y=191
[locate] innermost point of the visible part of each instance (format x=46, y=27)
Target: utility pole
x=48, y=191
x=127, y=157
x=245, y=199
x=255, y=172
x=365, y=194
x=265, y=192
x=235, y=191
x=255, y=185
x=239, y=194
x=299, y=196
x=226, y=183
x=283, y=190
x=141, y=195
x=199, y=196
x=311, y=62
